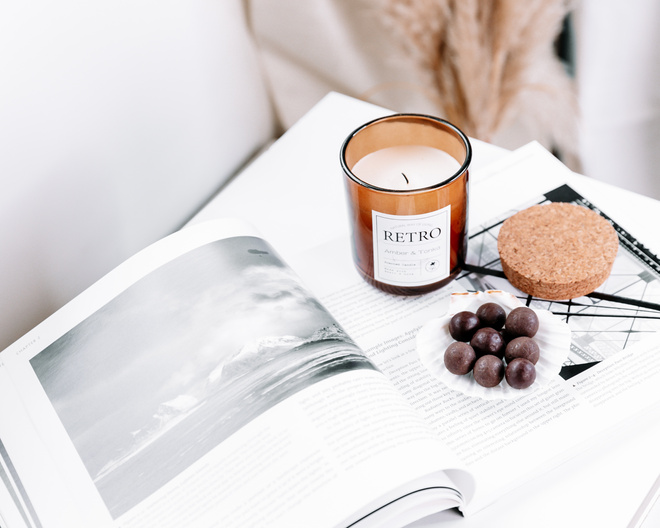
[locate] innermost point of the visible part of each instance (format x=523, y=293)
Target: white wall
x=618, y=73
x=118, y=119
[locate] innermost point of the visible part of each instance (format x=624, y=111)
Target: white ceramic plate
x=553, y=338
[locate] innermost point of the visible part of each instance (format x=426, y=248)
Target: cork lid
x=557, y=251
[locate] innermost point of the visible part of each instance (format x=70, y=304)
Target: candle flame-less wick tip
x=407, y=181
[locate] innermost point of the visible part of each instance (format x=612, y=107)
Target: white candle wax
x=406, y=167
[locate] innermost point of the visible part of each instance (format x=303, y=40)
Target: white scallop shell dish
x=553, y=338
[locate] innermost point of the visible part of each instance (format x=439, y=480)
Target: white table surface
x=294, y=194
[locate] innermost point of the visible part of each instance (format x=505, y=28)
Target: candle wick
x=402, y=174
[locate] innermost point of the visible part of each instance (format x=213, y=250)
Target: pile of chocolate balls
x=494, y=345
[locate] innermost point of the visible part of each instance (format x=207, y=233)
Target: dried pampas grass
x=491, y=63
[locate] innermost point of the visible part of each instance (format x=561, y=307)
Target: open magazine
x=202, y=384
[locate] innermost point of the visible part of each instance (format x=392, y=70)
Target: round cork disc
x=557, y=251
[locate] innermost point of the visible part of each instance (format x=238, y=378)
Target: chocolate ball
x=488, y=371
x=520, y=373
x=463, y=325
x=522, y=347
x=488, y=341
x=522, y=321
x=492, y=315
x=459, y=358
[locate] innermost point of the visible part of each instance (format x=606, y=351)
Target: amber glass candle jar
x=407, y=186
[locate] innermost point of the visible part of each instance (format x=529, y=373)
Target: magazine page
x=10, y=497
x=198, y=382
x=504, y=442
